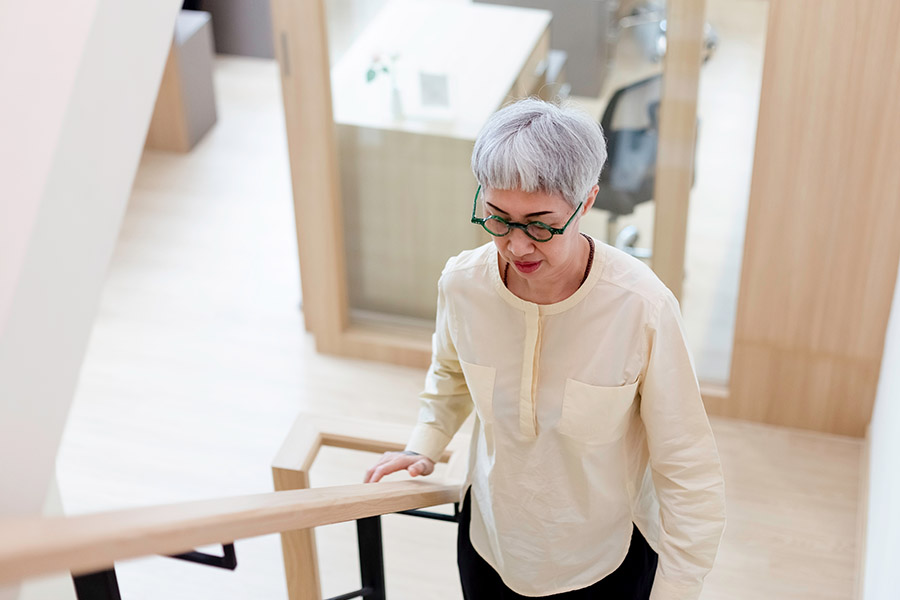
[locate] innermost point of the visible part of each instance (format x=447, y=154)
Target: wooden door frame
x=301, y=47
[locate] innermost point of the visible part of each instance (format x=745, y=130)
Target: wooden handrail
x=291, y=470
x=80, y=544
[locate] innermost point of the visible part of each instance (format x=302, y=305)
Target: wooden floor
x=198, y=364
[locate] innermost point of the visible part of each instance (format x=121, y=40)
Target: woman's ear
x=589, y=201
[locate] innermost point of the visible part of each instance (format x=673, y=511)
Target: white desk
x=406, y=183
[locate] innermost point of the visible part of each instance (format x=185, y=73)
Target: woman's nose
x=519, y=243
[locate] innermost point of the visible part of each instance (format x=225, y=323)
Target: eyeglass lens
x=497, y=227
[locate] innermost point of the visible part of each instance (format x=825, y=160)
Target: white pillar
x=79, y=81
x=879, y=577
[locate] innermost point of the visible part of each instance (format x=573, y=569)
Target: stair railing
x=87, y=546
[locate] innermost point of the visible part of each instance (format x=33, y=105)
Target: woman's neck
x=554, y=288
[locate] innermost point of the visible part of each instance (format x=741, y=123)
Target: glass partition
x=627, y=106
x=411, y=87
x=413, y=81
x=728, y=106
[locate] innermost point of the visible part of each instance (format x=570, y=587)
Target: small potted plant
x=388, y=65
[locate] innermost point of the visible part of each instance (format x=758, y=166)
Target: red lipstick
x=527, y=267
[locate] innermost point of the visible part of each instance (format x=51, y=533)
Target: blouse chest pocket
x=596, y=414
x=480, y=381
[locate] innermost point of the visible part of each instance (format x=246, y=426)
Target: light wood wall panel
x=401, y=224
x=822, y=246
x=405, y=180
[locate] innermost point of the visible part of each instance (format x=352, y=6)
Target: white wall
x=37, y=77
x=881, y=576
x=79, y=80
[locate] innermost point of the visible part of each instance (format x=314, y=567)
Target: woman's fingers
x=371, y=470
x=384, y=469
x=391, y=462
x=423, y=466
x=368, y=476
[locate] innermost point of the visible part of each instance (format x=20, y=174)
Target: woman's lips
x=527, y=267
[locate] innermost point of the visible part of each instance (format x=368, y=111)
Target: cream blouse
x=588, y=418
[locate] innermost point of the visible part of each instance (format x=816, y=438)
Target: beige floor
x=198, y=364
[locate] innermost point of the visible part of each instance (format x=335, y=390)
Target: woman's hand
x=390, y=462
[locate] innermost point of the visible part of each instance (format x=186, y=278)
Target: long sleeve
x=445, y=400
x=684, y=460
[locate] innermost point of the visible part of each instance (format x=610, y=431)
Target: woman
x=593, y=472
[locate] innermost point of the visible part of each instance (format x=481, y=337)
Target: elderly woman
x=593, y=472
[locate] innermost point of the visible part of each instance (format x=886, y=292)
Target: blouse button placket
x=530, y=364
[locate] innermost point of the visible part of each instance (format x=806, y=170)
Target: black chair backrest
x=631, y=125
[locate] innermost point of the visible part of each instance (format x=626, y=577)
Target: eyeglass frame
x=523, y=226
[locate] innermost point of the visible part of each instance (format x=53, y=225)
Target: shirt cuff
x=428, y=441
x=664, y=589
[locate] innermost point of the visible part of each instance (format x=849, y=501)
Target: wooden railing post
x=301, y=561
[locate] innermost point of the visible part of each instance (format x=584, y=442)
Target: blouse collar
x=557, y=307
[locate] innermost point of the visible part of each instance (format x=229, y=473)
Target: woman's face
x=538, y=261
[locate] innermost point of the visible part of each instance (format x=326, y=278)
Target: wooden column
x=301, y=47
x=822, y=243
x=677, y=133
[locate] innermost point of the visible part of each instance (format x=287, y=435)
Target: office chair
x=631, y=125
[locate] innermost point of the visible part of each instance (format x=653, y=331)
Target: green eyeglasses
x=498, y=226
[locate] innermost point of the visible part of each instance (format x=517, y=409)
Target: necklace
x=587, y=269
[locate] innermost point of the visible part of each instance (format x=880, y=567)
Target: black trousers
x=632, y=580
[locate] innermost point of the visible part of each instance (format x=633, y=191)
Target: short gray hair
x=536, y=146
